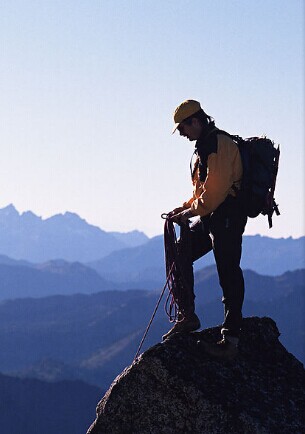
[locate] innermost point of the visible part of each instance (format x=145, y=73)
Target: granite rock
x=176, y=388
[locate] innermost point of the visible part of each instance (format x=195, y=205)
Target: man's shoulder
x=207, y=144
x=212, y=141
x=223, y=137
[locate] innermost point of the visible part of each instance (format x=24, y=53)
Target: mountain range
x=130, y=256
x=74, y=304
x=20, y=279
x=93, y=337
x=31, y=406
x=65, y=255
x=268, y=256
x=25, y=279
x=62, y=236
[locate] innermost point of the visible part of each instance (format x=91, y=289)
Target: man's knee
x=201, y=242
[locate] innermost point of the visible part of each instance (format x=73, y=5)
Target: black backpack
x=260, y=159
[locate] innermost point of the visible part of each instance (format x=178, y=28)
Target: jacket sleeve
x=188, y=203
x=223, y=169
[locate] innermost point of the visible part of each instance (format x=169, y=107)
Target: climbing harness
x=175, y=280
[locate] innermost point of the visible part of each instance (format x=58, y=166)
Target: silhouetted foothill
x=176, y=388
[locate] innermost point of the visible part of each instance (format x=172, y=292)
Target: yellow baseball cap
x=186, y=109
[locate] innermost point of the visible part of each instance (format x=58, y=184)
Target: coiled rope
x=175, y=280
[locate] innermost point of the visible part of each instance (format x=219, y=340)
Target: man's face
x=190, y=130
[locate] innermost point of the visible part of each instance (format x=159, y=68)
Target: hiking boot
x=224, y=349
x=186, y=325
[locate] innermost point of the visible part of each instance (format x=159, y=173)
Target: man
x=216, y=177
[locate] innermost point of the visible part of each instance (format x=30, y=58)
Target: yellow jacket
x=223, y=170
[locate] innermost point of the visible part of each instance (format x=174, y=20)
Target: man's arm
x=224, y=168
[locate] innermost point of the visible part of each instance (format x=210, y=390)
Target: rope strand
x=174, y=268
x=151, y=320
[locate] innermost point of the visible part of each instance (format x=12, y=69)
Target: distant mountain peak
x=131, y=239
x=9, y=211
x=73, y=216
x=67, y=236
x=29, y=216
x=65, y=215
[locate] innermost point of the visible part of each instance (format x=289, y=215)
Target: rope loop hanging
x=175, y=281
x=175, y=256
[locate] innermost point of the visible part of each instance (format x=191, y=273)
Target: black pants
x=221, y=231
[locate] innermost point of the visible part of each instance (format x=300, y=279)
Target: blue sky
x=88, y=90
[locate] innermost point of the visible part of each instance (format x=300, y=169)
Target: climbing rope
x=176, y=256
x=174, y=268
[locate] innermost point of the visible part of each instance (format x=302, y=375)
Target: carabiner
x=164, y=216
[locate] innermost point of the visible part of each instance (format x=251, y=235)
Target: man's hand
x=175, y=211
x=181, y=217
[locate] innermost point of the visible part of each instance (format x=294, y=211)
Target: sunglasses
x=185, y=122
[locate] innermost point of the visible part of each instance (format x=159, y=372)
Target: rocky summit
x=177, y=388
